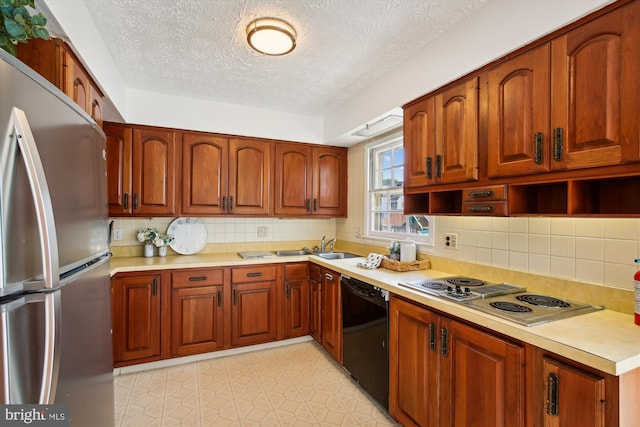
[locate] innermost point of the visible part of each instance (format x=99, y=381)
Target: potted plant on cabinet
x=18, y=25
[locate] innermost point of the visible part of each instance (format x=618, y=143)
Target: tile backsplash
x=235, y=230
x=600, y=251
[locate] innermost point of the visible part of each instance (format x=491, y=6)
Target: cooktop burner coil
x=510, y=307
x=464, y=281
x=543, y=301
x=438, y=286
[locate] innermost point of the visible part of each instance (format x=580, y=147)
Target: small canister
x=407, y=250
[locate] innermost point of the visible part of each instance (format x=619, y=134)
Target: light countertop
x=605, y=340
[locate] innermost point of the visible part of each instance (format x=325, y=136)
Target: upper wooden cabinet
x=595, y=95
x=205, y=165
x=518, y=115
x=142, y=170
x=309, y=180
x=249, y=177
x=54, y=60
x=568, y=104
x=441, y=137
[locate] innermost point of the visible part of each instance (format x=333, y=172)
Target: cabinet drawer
x=295, y=271
x=253, y=274
x=487, y=208
x=196, y=278
x=494, y=192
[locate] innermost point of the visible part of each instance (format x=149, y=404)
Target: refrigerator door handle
x=51, y=365
x=41, y=198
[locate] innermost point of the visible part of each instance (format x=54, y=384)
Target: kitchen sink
x=296, y=252
x=337, y=255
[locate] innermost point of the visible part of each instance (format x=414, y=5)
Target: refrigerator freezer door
x=85, y=380
x=30, y=338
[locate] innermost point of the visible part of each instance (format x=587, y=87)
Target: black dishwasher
x=365, y=334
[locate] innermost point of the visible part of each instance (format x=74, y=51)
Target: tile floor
x=295, y=385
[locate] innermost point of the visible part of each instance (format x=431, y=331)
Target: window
x=385, y=197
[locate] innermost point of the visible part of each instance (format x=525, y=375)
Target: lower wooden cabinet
x=331, y=316
x=136, y=316
x=197, y=311
x=296, y=300
x=315, y=302
x=254, y=308
x=445, y=373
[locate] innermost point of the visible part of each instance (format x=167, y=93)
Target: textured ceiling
x=197, y=48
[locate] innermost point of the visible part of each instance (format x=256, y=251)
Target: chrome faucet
x=324, y=243
x=331, y=243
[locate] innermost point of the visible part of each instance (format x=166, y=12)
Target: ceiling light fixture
x=271, y=36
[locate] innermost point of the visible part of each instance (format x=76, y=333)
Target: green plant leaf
x=21, y=13
x=14, y=29
x=38, y=20
x=41, y=33
x=11, y=48
x=24, y=3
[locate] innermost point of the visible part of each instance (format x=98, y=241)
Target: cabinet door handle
x=154, y=288
x=444, y=342
x=480, y=193
x=135, y=201
x=315, y=205
x=126, y=201
x=224, y=203
x=537, y=148
x=487, y=208
x=438, y=166
x=288, y=293
x=429, y=167
x=219, y=298
x=432, y=336
x=558, y=139
x=254, y=274
x=552, y=394
x=329, y=277
x=230, y=203
x=197, y=278
x=235, y=297
x=309, y=205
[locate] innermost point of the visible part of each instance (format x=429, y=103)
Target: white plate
x=189, y=234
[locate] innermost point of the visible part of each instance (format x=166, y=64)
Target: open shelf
x=538, y=199
x=615, y=196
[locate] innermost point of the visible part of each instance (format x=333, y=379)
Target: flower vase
x=148, y=250
x=394, y=256
x=162, y=251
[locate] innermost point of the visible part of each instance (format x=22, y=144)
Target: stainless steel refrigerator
x=55, y=309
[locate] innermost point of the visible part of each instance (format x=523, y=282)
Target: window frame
x=426, y=243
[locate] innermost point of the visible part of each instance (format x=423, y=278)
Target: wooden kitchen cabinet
x=594, y=96
x=55, y=61
x=445, y=373
x=308, y=180
x=197, y=311
x=441, y=137
x=136, y=313
x=249, y=177
x=566, y=104
x=142, y=170
x=315, y=302
x=205, y=165
x=296, y=300
x=331, y=316
x=518, y=114
x=254, y=305
x=574, y=398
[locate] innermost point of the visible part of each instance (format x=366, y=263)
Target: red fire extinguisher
x=636, y=285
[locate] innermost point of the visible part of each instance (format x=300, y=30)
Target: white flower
x=141, y=236
x=158, y=241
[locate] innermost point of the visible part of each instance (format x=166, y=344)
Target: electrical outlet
x=117, y=234
x=358, y=234
x=262, y=231
x=451, y=240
